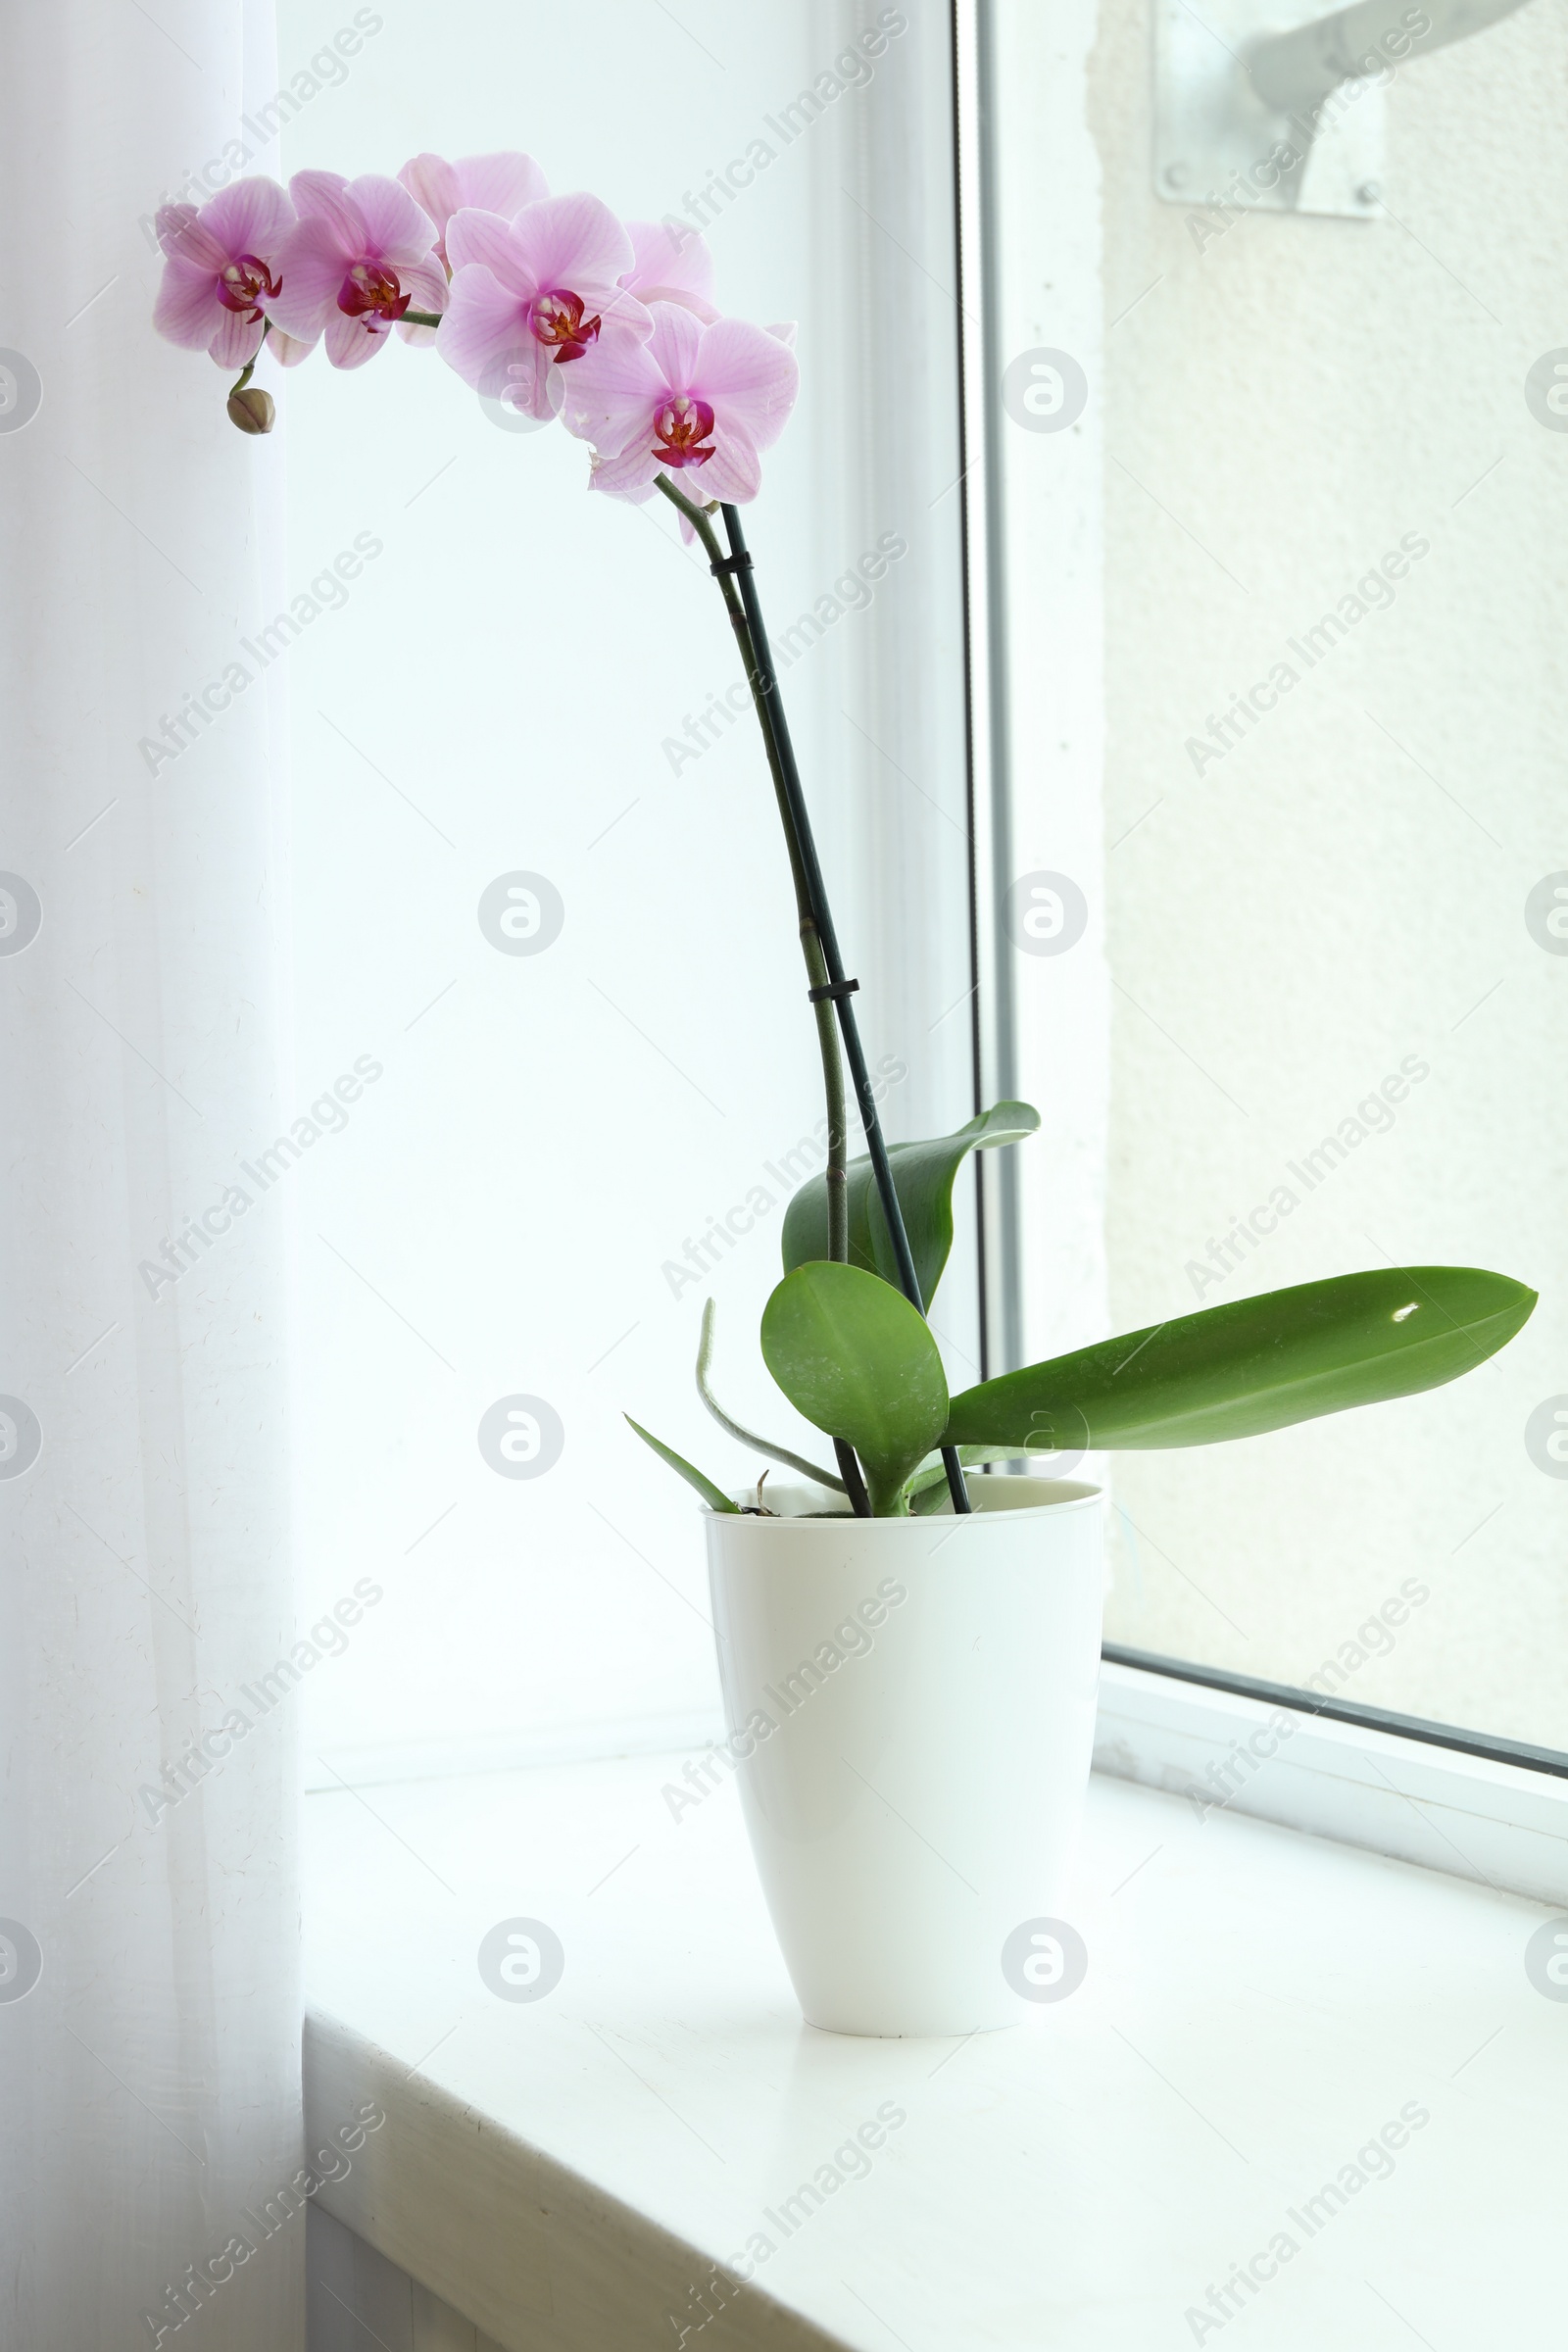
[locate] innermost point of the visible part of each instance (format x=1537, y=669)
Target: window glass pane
x=1335, y=580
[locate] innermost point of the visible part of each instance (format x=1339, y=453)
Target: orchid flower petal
x=620, y=476
x=323, y=196
x=625, y=308
x=678, y=338
x=527, y=381
x=734, y=471
x=288, y=349
x=500, y=183
x=351, y=342
x=187, y=309
x=396, y=228
x=571, y=241
x=481, y=239
x=426, y=284
x=432, y=182
x=184, y=238
x=666, y=267
x=251, y=216
x=483, y=328
x=751, y=375
x=311, y=265
x=612, y=394
x=237, y=339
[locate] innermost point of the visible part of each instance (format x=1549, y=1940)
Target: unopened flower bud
x=252, y=410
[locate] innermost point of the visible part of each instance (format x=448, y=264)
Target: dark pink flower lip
x=557, y=322
x=245, y=283
x=372, y=292
x=681, y=427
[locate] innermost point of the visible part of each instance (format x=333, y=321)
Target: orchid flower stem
x=811, y=946
x=817, y=922
x=838, y=1208
x=421, y=318
x=770, y=708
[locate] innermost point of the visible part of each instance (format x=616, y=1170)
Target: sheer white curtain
x=149, y=2050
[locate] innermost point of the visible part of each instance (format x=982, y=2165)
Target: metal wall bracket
x=1218, y=143
x=1257, y=110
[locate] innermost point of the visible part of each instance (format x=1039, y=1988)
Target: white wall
x=1345, y=888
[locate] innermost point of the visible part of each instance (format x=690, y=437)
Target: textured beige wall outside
x=1345, y=888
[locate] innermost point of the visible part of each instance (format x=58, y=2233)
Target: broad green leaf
x=1256, y=1364
x=923, y=1176
x=714, y=1496
x=856, y=1358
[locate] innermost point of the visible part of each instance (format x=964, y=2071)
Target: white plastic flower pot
x=911, y=1705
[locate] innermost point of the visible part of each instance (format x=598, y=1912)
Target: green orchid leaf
x=1256, y=1364
x=923, y=1176
x=856, y=1358
x=714, y=1496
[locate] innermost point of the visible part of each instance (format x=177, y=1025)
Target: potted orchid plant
x=908, y=1656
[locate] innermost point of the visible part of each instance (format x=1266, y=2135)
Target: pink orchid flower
x=358, y=258
x=485, y=183
x=531, y=296
x=700, y=403
x=667, y=267
x=220, y=273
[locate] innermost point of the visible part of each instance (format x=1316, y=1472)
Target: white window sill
x=1503, y=1824
x=1260, y=2006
